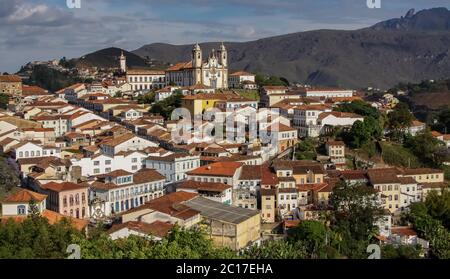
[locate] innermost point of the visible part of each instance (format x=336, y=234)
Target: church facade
x=212, y=72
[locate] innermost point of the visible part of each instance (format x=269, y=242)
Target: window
x=21, y=210
x=108, y=162
x=96, y=171
x=96, y=163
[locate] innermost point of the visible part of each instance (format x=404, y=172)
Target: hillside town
x=200, y=146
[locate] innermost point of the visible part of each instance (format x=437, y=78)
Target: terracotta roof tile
x=217, y=169
x=25, y=196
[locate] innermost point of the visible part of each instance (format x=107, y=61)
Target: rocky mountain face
x=407, y=49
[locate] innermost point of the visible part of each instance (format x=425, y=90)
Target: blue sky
x=47, y=29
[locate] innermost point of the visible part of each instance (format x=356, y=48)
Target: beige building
x=227, y=226
x=10, y=85
x=425, y=175
x=145, y=80
x=268, y=205
x=387, y=183
x=336, y=151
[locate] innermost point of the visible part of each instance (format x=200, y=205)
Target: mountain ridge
x=407, y=49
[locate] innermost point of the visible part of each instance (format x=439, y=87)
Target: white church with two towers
x=211, y=72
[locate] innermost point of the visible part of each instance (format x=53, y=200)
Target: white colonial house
x=146, y=80
x=328, y=93
x=112, y=90
x=18, y=204
x=409, y=192
x=83, y=117
x=328, y=120
x=287, y=200
x=28, y=149
x=220, y=172
x=306, y=119
x=218, y=192
x=131, y=161
x=173, y=166
x=59, y=122
x=237, y=79
x=125, y=142
x=119, y=191
x=73, y=92
x=165, y=92
x=131, y=114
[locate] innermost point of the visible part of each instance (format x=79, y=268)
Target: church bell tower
x=123, y=63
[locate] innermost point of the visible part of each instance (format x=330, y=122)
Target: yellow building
x=387, y=183
x=304, y=172
x=228, y=226
x=425, y=175
x=268, y=197
x=198, y=104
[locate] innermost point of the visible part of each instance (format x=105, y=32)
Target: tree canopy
x=166, y=106
x=359, y=107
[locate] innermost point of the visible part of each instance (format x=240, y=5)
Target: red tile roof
x=61, y=187
x=171, y=204
x=25, y=196
x=53, y=218
x=10, y=78
x=217, y=169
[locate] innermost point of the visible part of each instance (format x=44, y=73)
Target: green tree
x=443, y=121
x=399, y=120
x=431, y=230
x=4, y=101
x=438, y=206
x=359, y=107
x=33, y=209
x=313, y=234
x=262, y=80
x=401, y=252
x=425, y=147
x=277, y=249
x=358, y=134
x=356, y=211
x=148, y=98
x=166, y=106
x=306, y=150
